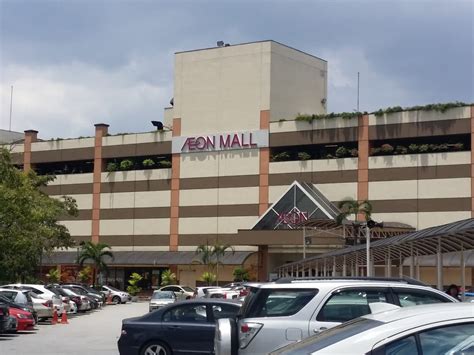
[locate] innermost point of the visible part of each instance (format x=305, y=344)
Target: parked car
x=226, y=293
x=280, y=313
x=201, y=291
x=29, y=307
x=82, y=302
x=24, y=319
x=96, y=300
x=4, y=317
x=117, y=295
x=160, y=299
x=428, y=329
x=43, y=308
x=42, y=292
x=12, y=325
x=181, y=292
x=179, y=328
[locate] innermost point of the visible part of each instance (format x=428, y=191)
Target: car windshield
x=159, y=295
x=329, y=337
x=187, y=289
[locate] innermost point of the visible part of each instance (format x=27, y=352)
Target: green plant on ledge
x=344, y=115
x=165, y=164
x=111, y=167
x=148, y=163
x=126, y=164
x=283, y=156
x=304, y=156
x=341, y=152
x=430, y=107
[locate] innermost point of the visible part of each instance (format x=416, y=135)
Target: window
x=404, y=346
x=279, y=302
x=171, y=288
x=349, y=304
x=187, y=313
x=412, y=297
x=452, y=339
x=9, y=294
x=224, y=311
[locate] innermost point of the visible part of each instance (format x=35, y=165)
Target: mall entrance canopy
x=453, y=237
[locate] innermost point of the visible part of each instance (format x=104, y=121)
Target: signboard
x=220, y=141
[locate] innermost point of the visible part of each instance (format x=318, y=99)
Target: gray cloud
x=80, y=62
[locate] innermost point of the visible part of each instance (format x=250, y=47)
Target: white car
x=43, y=308
x=435, y=329
x=117, y=295
x=201, y=291
x=42, y=292
x=225, y=293
x=181, y=292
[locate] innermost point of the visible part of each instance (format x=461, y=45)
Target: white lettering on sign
x=222, y=141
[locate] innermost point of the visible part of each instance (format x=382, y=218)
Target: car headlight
x=21, y=316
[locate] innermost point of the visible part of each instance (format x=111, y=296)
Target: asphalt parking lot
x=92, y=333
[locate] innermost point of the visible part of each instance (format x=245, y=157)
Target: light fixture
x=158, y=125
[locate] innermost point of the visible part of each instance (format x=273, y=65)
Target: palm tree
x=350, y=207
x=95, y=252
x=219, y=252
x=211, y=255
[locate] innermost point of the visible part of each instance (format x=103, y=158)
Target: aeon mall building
x=237, y=163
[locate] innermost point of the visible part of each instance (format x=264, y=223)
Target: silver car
x=276, y=314
x=160, y=299
x=117, y=295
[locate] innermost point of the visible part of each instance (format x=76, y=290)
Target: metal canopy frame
x=452, y=237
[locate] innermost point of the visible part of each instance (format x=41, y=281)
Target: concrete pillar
x=439, y=267
x=412, y=262
x=344, y=267
x=101, y=130
x=462, y=265
x=389, y=264
x=31, y=136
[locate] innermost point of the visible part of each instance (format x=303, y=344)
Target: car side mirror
x=181, y=291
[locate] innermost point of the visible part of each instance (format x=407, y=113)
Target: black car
x=95, y=299
x=180, y=328
x=4, y=315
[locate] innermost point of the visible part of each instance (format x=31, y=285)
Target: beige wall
x=298, y=83
x=314, y=165
x=211, y=197
x=291, y=125
x=226, y=163
x=135, y=138
x=62, y=144
x=135, y=199
x=222, y=89
x=212, y=225
x=134, y=226
x=414, y=160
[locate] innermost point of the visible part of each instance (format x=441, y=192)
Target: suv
x=181, y=292
x=117, y=295
x=42, y=293
x=289, y=310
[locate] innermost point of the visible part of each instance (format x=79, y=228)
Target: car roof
x=435, y=312
x=210, y=300
x=335, y=283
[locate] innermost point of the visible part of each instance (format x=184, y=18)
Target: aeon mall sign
x=220, y=141
x=292, y=218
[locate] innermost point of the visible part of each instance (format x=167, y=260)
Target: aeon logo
x=221, y=141
x=293, y=217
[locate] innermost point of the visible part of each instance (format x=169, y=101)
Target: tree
x=208, y=277
x=350, y=207
x=95, y=252
x=29, y=227
x=211, y=255
x=168, y=277
x=133, y=288
x=53, y=275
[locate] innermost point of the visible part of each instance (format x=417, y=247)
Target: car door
x=188, y=328
x=345, y=304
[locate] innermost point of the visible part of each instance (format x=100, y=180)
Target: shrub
x=400, y=149
x=53, y=275
x=303, y=156
x=413, y=148
x=375, y=151
x=443, y=147
x=458, y=146
x=133, y=289
x=386, y=149
x=208, y=277
x=281, y=156
x=165, y=164
x=112, y=167
x=126, y=164
x=354, y=153
x=424, y=148
x=329, y=156
x=241, y=274
x=148, y=163
x=341, y=152
x=168, y=277
x=85, y=274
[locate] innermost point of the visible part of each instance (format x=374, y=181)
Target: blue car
x=180, y=328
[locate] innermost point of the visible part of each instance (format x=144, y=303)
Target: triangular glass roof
x=300, y=202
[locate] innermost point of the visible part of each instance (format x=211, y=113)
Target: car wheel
x=155, y=348
x=116, y=300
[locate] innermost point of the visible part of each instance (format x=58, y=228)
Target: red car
x=25, y=319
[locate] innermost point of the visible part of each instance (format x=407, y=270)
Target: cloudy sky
x=78, y=62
